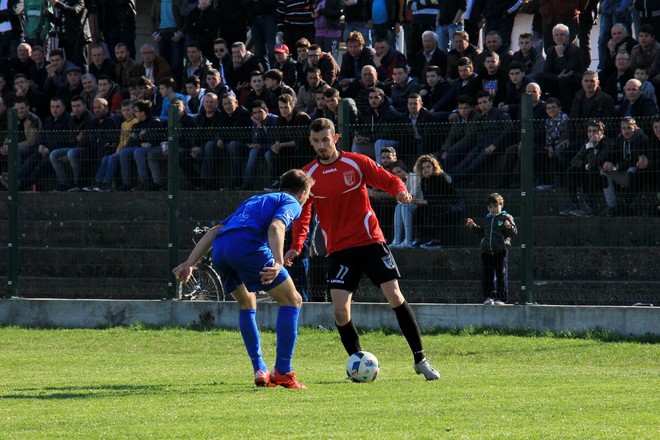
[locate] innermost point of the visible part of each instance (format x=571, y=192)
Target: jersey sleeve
x=288, y=210
x=378, y=177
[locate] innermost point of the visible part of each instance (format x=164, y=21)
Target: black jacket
x=496, y=238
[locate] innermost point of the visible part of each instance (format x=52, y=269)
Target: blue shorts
x=239, y=261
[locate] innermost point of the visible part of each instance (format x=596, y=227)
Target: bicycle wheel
x=203, y=285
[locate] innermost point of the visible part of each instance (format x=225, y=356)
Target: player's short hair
x=378, y=90
x=647, y=29
x=285, y=98
x=255, y=73
x=517, y=65
x=127, y=103
x=596, y=123
x=553, y=100
x=390, y=150
x=465, y=61
x=167, y=82
x=194, y=80
x=525, y=36
x=462, y=34
x=295, y=180
x=495, y=199
x=303, y=42
x=466, y=99
x=321, y=124
x=331, y=93
x=432, y=68
x=143, y=105
x=274, y=74
x=258, y=103
x=484, y=94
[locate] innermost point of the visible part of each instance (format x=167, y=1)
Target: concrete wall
x=103, y=313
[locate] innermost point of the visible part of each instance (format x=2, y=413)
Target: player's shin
x=349, y=337
x=247, y=324
x=286, y=330
x=410, y=329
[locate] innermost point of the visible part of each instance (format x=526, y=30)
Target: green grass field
x=184, y=384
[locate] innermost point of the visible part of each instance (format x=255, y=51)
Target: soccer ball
x=362, y=367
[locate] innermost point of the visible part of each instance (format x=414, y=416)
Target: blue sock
x=247, y=323
x=287, y=332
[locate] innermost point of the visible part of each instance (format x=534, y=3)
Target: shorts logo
x=388, y=261
x=349, y=178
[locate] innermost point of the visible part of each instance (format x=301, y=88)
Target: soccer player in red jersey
x=354, y=239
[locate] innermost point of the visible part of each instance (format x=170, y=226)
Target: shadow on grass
x=105, y=391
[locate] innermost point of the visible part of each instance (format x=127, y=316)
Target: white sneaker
x=424, y=367
x=497, y=302
x=489, y=302
x=395, y=244
x=406, y=244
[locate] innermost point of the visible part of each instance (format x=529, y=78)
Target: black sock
x=349, y=337
x=410, y=329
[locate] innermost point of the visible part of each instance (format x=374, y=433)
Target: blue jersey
x=240, y=249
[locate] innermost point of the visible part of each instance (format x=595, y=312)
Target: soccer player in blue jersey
x=248, y=249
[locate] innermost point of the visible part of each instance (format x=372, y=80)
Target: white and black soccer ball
x=362, y=367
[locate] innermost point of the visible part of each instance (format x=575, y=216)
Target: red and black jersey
x=341, y=202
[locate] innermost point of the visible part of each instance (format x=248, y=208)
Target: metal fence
x=118, y=233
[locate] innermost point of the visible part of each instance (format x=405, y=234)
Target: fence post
x=527, y=201
x=174, y=208
x=12, y=203
x=343, y=120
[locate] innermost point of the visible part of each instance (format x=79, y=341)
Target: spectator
x=495, y=243
x=81, y=119
x=647, y=53
x=257, y=89
x=195, y=63
x=100, y=65
x=295, y=20
x=237, y=119
x=263, y=137
x=649, y=13
x=491, y=140
x=166, y=30
x=355, y=20
x=515, y=88
x=473, y=20
x=287, y=65
x=90, y=89
x=440, y=207
x=403, y=86
x=357, y=55
x=448, y=21
x=468, y=83
x=563, y=67
x=215, y=84
x=275, y=89
x=145, y=134
x=56, y=72
x=494, y=77
x=321, y=108
x=529, y=56
x=327, y=15
x=287, y=151
x=71, y=28
x=153, y=66
x=611, y=12
x=499, y=16
x=24, y=89
x=614, y=83
x=36, y=25
x=111, y=92
x=202, y=169
x=21, y=63
x=359, y=91
x=305, y=98
x=202, y=26
x=590, y=103
x=222, y=59
x=586, y=21
x=586, y=171
x=237, y=74
x=620, y=42
x=325, y=62
x=435, y=87
x=105, y=175
x=430, y=55
x=376, y=121
x=385, y=59
x=126, y=68
x=234, y=19
x=461, y=48
x=494, y=44
x=166, y=89
x=36, y=166
x=194, y=96
x=642, y=74
x=403, y=213
x=332, y=99
x=418, y=130
x=564, y=12
x=553, y=160
x=38, y=79
x=117, y=22
x=462, y=133
x=424, y=14
x=72, y=87
x=636, y=105
x=627, y=168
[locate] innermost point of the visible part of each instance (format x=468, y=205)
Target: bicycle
x=205, y=284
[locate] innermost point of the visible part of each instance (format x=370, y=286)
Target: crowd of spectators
x=93, y=108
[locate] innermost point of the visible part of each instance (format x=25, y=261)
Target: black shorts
x=347, y=266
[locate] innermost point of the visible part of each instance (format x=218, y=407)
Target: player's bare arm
x=184, y=270
x=276, y=232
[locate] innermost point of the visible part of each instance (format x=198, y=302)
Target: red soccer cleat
x=287, y=380
x=263, y=379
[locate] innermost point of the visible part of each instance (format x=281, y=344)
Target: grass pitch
x=180, y=383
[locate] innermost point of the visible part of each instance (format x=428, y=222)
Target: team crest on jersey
x=388, y=261
x=349, y=178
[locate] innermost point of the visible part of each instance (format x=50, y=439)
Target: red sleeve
x=300, y=227
x=380, y=178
